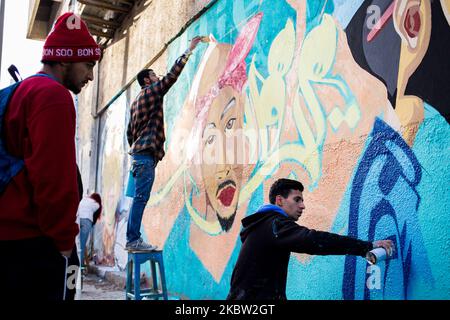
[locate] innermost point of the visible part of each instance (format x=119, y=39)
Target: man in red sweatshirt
x=38, y=207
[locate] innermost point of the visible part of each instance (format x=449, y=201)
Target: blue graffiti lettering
x=383, y=205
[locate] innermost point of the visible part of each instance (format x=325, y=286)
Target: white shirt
x=86, y=208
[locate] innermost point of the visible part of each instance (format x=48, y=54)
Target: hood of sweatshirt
x=264, y=212
x=271, y=207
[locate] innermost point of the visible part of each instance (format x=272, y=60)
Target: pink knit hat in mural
x=235, y=73
x=70, y=41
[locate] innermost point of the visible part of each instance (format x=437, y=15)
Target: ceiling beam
x=98, y=33
x=128, y=2
x=104, y=5
x=98, y=21
x=95, y=24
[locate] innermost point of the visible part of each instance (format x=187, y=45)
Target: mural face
x=222, y=178
x=219, y=120
x=333, y=93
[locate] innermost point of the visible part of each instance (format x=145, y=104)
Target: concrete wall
x=150, y=26
x=320, y=95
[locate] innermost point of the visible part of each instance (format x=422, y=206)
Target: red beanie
x=70, y=41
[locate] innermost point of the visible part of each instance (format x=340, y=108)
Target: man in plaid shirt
x=146, y=138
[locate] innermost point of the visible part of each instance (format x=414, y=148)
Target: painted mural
x=112, y=174
x=349, y=97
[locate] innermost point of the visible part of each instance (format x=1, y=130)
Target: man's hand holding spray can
x=382, y=250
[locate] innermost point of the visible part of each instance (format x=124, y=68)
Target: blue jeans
x=143, y=170
x=85, y=230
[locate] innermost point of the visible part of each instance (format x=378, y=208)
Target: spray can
x=376, y=255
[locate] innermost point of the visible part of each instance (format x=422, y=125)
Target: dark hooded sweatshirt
x=268, y=238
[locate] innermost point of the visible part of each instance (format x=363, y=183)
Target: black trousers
x=35, y=269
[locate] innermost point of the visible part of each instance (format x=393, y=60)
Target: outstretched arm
x=300, y=239
x=172, y=76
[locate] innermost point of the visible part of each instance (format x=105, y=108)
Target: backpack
x=9, y=165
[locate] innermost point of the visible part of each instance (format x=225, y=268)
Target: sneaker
x=139, y=245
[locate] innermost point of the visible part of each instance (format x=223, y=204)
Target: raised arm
x=172, y=76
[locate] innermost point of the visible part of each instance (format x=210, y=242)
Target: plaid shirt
x=145, y=131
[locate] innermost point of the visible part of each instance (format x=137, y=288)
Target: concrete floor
x=96, y=288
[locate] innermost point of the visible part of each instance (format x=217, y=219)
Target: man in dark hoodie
x=271, y=234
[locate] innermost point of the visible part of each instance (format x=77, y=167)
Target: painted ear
x=412, y=22
x=408, y=21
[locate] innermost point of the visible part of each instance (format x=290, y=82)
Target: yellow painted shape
x=351, y=116
x=316, y=60
x=270, y=102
